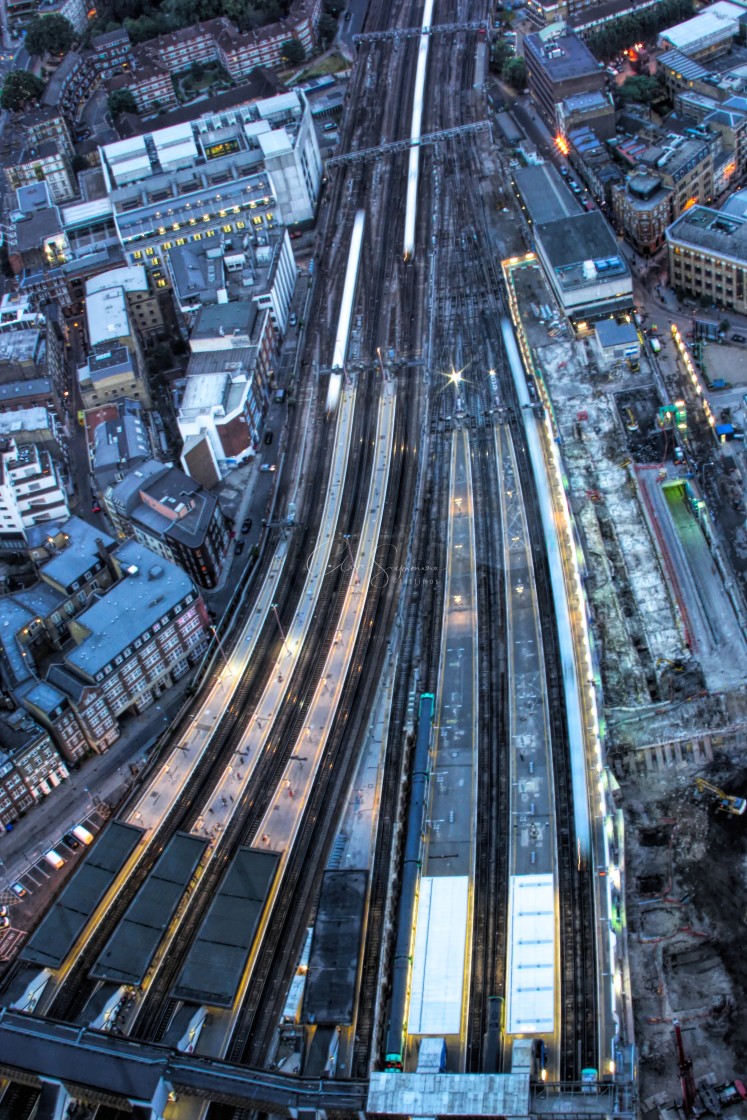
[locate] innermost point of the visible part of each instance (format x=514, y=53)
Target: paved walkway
x=106, y=776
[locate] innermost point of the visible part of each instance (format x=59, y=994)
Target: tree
x=197, y=71
x=53, y=34
x=121, y=101
x=500, y=55
x=327, y=28
x=19, y=88
x=641, y=88
x=515, y=74
x=293, y=52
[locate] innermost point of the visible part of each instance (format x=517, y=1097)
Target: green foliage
x=515, y=74
x=637, y=26
x=642, y=88
x=327, y=27
x=121, y=101
x=19, y=88
x=145, y=19
x=501, y=54
x=293, y=52
x=53, y=34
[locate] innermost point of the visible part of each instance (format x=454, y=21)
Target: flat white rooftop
x=530, y=1006
x=106, y=316
x=437, y=987
x=448, y=1094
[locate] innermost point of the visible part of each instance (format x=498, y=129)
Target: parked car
x=4, y=923
x=738, y=338
x=293, y=319
x=268, y=437
x=70, y=841
x=246, y=527
x=19, y=889
x=239, y=547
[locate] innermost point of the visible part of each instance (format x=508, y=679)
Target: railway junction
x=379, y=866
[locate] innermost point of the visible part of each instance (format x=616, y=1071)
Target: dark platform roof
x=332, y=978
x=62, y=925
x=212, y=971
x=129, y=951
x=544, y=193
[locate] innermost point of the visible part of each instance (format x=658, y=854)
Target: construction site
x=667, y=618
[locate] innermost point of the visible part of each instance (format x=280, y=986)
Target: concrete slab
x=448, y=1094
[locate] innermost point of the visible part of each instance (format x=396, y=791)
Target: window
x=137, y=255
x=210, y=233
x=227, y=229
x=149, y=252
x=161, y=283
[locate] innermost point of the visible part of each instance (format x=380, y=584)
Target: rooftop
x=715, y=230
x=224, y=320
x=25, y=420
x=563, y=54
x=106, y=315
x=720, y=21
x=582, y=250
x=79, y=555
x=130, y=278
x=152, y=588
x=611, y=333
x=22, y=347
x=544, y=193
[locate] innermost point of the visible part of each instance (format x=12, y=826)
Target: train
x=413, y=170
x=574, y=715
x=396, y=1038
x=346, y=312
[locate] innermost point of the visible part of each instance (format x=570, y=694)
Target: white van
x=82, y=834
x=54, y=859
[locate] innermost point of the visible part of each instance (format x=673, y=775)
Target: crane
x=685, y=1070
x=727, y=802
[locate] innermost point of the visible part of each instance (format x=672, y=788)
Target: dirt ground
x=687, y=915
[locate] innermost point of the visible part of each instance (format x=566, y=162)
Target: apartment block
x=707, y=252
x=171, y=514
x=112, y=53
x=47, y=160
x=31, y=492
x=30, y=766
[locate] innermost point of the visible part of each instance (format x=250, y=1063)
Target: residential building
x=46, y=122
x=118, y=441
x=559, y=66
x=53, y=710
x=30, y=766
x=225, y=399
x=594, y=111
x=72, y=83
x=143, y=309
x=584, y=267
x=593, y=164
x=205, y=274
x=582, y=16
x=47, y=160
x=75, y=11
x=237, y=173
x=112, y=53
x=707, y=251
x=169, y=512
x=111, y=372
x=31, y=492
x=132, y=644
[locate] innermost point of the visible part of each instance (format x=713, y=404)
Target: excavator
x=727, y=802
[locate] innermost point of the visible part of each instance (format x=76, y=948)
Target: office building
x=559, y=66
x=584, y=267
x=707, y=252
x=237, y=173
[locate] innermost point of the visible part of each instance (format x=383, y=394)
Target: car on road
x=268, y=437
x=19, y=889
x=738, y=338
x=246, y=527
x=267, y=467
x=95, y=507
x=239, y=548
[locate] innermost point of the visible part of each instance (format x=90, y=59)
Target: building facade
x=707, y=252
x=559, y=66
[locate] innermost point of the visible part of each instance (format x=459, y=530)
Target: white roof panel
x=282, y=103
x=83, y=212
x=175, y=144
x=530, y=1007
x=275, y=143
x=437, y=987
x=106, y=316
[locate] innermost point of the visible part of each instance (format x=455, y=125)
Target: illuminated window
x=181, y=241
x=241, y=225
x=206, y=217
x=161, y=284
x=193, y=221
x=210, y=233
x=137, y=255
x=221, y=213
x=166, y=245
x=268, y=217
x=155, y=261
x=149, y=252
x=227, y=229
x=197, y=237
x=175, y=225
x=257, y=221
x=162, y=229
